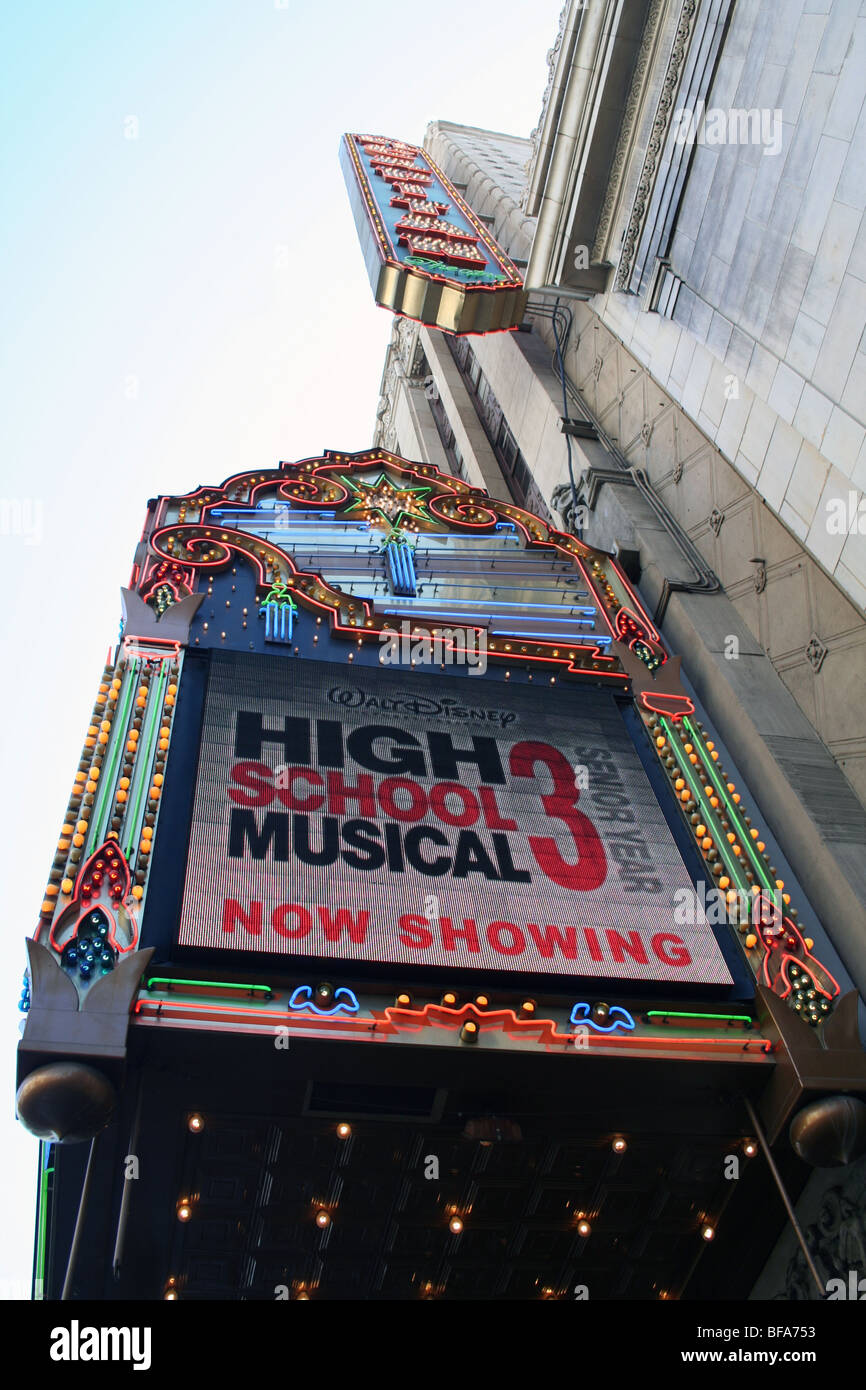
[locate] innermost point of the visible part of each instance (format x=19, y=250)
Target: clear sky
x=183, y=297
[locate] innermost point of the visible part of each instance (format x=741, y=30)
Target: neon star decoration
x=396, y=506
x=415, y=498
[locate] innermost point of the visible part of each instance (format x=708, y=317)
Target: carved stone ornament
x=656, y=141
x=552, y=59
x=626, y=129
x=815, y=653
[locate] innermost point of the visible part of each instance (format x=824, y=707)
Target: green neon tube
x=208, y=984
x=41, y=1226
x=143, y=769
x=754, y=855
x=733, y=868
x=107, y=782
x=674, y=1013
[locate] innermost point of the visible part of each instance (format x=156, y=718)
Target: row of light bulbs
x=456, y=1224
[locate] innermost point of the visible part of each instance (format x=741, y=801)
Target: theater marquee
x=427, y=255
x=406, y=821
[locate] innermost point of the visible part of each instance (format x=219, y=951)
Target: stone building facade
x=684, y=390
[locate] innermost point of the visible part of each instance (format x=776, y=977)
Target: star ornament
x=384, y=498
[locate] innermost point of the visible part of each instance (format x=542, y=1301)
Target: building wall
x=807, y=624
x=775, y=648
x=771, y=251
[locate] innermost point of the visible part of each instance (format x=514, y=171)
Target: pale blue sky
x=153, y=339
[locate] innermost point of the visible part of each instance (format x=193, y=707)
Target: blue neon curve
x=302, y=998
x=581, y=1013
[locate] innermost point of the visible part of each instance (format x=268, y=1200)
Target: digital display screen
x=416, y=820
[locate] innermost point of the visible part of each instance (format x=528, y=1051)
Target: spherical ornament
x=65, y=1102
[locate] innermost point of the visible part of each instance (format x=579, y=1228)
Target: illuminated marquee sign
x=427, y=255
x=401, y=820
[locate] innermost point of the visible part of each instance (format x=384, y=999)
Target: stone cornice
x=656, y=142
x=624, y=145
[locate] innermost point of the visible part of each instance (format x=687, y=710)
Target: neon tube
x=736, y=815
x=708, y=813
x=107, y=788
x=143, y=764
x=724, y=1018
x=168, y=981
